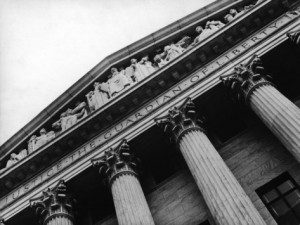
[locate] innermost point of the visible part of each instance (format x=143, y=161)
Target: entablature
x=132, y=98
x=198, y=81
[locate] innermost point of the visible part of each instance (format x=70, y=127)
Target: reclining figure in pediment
x=14, y=158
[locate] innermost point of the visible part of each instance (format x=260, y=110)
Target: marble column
x=54, y=206
x=224, y=196
x=278, y=113
x=119, y=167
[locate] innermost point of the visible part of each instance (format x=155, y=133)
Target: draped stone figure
x=129, y=73
x=91, y=100
x=37, y=141
x=184, y=42
x=71, y=117
x=14, y=158
x=172, y=51
x=117, y=82
x=228, y=18
x=139, y=70
x=235, y=13
x=99, y=96
x=147, y=66
x=159, y=60
x=214, y=25
x=203, y=34
x=22, y=154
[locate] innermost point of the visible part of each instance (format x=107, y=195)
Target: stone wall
x=255, y=157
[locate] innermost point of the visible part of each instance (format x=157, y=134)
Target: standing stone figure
x=99, y=96
x=71, y=117
x=139, y=72
x=117, y=82
x=129, y=73
x=147, y=66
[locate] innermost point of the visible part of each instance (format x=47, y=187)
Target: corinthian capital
x=295, y=37
x=53, y=202
x=246, y=78
x=116, y=161
x=181, y=119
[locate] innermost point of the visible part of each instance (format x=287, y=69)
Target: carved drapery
x=250, y=82
x=119, y=167
x=54, y=206
x=225, y=198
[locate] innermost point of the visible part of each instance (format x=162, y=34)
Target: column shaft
x=59, y=220
x=280, y=115
x=129, y=200
x=227, y=201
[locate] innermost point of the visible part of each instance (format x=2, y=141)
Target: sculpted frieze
x=121, y=79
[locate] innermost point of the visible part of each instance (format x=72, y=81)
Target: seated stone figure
x=99, y=96
x=37, y=141
x=117, y=82
x=159, y=60
x=228, y=18
x=184, y=42
x=172, y=51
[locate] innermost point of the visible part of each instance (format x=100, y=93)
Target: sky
x=47, y=45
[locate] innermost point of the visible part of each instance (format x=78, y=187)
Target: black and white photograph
x=149, y=112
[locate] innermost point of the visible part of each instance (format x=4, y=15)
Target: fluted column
x=225, y=198
x=278, y=113
x=54, y=206
x=119, y=165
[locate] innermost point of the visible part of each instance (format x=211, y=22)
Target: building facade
x=197, y=123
